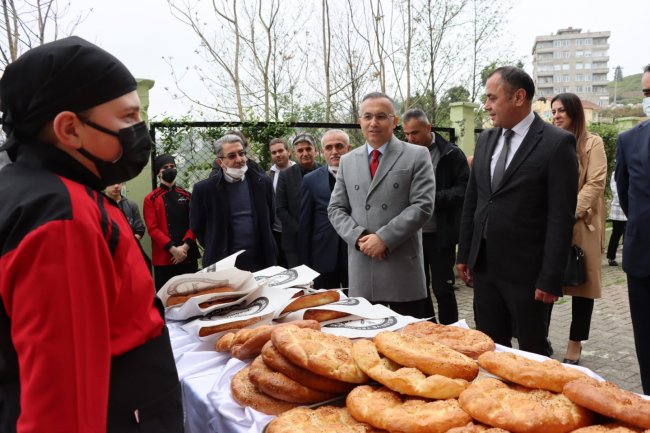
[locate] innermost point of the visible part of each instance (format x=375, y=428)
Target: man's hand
x=545, y=297
x=373, y=246
x=465, y=274
x=178, y=254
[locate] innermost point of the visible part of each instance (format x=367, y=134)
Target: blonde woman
x=568, y=114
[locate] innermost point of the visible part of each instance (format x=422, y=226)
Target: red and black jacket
x=76, y=301
x=167, y=217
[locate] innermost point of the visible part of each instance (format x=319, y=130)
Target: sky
x=142, y=32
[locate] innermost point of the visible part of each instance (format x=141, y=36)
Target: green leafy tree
x=609, y=133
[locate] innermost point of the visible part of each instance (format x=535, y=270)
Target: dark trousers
x=282, y=258
x=439, y=271
x=409, y=308
x=501, y=306
x=338, y=278
x=162, y=274
x=618, y=229
x=581, y=309
x=639, y=294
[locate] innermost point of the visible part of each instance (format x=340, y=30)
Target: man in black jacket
x=288, y=195
x=440, y=233
x=233, y=210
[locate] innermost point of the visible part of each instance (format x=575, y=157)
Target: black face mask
x=136, y=151
x=169, y=174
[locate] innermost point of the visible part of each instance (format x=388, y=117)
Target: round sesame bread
x=549, y=374
x=324, y=354
x=523, y=410
x=427, y=356
x=469, y=342
x=409, y=381
x=386, y=409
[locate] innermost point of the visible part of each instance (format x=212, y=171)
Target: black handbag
x=574, y=273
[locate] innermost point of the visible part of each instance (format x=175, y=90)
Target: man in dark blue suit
x=321, y=248
x=633, y=185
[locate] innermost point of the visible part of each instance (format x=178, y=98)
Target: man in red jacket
x=83, y=345
x=167, y=216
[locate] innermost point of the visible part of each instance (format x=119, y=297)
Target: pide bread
x=409, y=381
x=324, y=354
x=279, y=386
x=252, y=345
x=277, y=362
x=385, y=409
x=323, y=315
x=476, y=428
x=469, y=342
x=519, y=409
x=238, y=324
x=325, y=419
x=180, y=299
x=246, y=394
x=608, y=399
x=312, y=300
x=427, y=356
x=614, y=427
x=549, y=374
x=219, y=301
x=224, y=343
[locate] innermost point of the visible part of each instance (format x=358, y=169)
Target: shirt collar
x=381, y=150
x=522, y=127
x=275, y=167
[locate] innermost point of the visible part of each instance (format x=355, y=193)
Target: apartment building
x=572, y=61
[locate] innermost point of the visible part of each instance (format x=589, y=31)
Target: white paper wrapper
x=365, y=321
x=281, y=278
x=263, y=303
x=227, y=263
x=242, y=283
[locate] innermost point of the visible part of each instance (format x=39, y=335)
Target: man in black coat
x=233, y=210
x=440, y=233
x=518, y=215
x=288, y=195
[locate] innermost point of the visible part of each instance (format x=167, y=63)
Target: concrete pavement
x=610, y=349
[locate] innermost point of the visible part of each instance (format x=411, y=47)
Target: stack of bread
x=297, y=366
x=428, y=381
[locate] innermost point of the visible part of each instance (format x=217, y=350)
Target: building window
x=557, y=67
x=565, y=66
x=558, y=78
x=580, y=53
x=565, y=77
x=600, y=41
x=580, y=77
x=587, y=53
x=579, y=89
x=578, y=65
x=557, y=43
x=587, y=65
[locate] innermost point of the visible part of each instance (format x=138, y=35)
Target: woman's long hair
x=573, y=108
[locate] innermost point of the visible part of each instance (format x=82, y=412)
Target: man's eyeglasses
x=380, y=117
x=234, y=155
x=337, y=146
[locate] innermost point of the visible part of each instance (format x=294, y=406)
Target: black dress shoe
x=612, y=262
x=571, y=361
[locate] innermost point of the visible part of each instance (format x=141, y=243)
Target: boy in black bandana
x=83, y=346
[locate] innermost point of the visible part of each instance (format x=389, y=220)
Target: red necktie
x=374, y=162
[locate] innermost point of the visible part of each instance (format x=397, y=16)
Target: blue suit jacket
x=633, y=185
x=318, y=241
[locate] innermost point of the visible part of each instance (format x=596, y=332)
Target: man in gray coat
x=384, y=193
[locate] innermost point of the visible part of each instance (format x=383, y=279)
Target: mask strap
x=97, y=126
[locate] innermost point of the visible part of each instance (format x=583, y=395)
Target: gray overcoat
x=394, y=205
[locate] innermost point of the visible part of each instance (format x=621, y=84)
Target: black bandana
x=69, y=74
